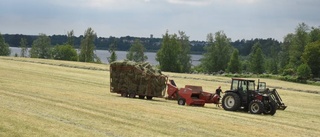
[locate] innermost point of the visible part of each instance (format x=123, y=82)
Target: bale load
x=130, y=78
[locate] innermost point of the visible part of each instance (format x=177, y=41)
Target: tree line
x=150, y=44
x=41, y=47
x=297, y=56
x=101, y=43
x=296, y=59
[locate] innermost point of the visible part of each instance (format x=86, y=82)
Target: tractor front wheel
x=231, y=101
x=141, y=97
x=256, y=107
x=270, y=109
x=181, y=101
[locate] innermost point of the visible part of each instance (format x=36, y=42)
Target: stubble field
x=58, y=98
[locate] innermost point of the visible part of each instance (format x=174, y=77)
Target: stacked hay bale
x=138, y=78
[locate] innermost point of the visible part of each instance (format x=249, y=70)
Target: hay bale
x=141, y=78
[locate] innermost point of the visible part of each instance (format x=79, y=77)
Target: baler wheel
x=256, y=107
x=181, y=101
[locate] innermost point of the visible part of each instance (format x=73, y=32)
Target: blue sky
x=239, y=19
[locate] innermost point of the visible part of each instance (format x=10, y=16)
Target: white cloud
x=191, y=2
x=246, y=1
x=102, y=4
x=209, y=2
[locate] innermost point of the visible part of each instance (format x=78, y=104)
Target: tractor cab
x=244, y=88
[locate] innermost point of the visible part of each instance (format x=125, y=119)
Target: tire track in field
x=121, y=117
x=56, y=64
x=114, y=115
x=262, y=119
x=70, y=107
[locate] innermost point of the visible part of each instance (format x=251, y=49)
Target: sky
x=239, y=19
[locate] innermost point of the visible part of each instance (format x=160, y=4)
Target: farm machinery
x=243, y=96
x=190, y=95
x=262, y=88
x=140, y=79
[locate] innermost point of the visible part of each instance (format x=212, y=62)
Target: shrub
x=288, y=71
x=304, y=72
x=64, y=52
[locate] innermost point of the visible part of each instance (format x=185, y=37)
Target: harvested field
x=59, y=98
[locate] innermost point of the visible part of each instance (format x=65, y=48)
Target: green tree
x=167, y=56
x=257, y=59
x=299, y=41
x=311, y=56
x=70, y=36
x=314, y=34
x=272, y=62
x=234, y=63
x=245, y=66
x=184, y=56
x=113, y=57
x=136, y=52
x=64, y=52
x=87, y=46
x=24, y=47
x=210, y=55
x=4, y=47
x=174, y=54
x=112, y=51
x=41, y=47
x=284, y=53
x=303, y=72
x=218, y=52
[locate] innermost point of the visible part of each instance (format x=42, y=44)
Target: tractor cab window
x=243, y=85
x=251, y=85
x=262, y=86
x=234, y=85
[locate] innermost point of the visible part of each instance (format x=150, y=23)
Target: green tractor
x=244, y=96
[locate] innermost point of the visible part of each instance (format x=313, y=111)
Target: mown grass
x=58, y=98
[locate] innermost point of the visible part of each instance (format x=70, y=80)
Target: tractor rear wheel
x=270, y=109
x=181, y=101
x=256, y=107
x=231, y=101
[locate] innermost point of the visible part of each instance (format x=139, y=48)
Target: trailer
x=131, y=79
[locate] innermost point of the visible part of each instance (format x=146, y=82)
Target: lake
x=103, y=54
